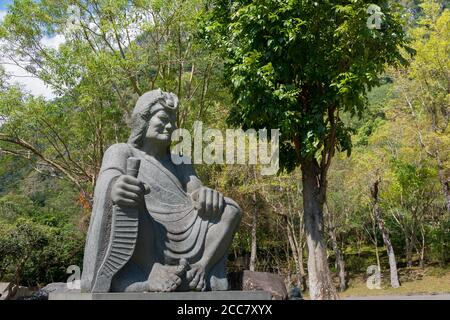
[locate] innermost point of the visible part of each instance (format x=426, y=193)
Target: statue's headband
x=153, y=101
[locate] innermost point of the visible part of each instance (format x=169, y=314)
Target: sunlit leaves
x=298, y=59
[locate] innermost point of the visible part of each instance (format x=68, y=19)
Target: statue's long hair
x=145, y=110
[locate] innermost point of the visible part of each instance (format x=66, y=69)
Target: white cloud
x=2, y=14
x=18, y=75
x=53, y=42
x=34, y=85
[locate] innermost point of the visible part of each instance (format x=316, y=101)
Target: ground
x=416, y=283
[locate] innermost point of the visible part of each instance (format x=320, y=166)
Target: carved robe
x=164, y=229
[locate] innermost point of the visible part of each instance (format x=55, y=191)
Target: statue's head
x=153, y=118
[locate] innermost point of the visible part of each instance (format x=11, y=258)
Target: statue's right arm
x=115, y=159
x=113, y=166
x=125, y=190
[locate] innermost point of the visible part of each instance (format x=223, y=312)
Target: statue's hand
x=210, y=203
x=128, y=191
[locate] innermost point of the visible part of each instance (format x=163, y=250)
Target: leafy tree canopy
x=299, y=65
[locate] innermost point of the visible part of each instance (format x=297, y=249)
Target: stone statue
x=154, y=226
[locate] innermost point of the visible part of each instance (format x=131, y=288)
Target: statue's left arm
x=192, y=181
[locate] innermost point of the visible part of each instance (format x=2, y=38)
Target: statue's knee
x=232, y=210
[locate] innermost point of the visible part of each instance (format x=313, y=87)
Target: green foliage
x=40, y=235
x=312, y=69
x=34, y=254
x=299, y=65
x=439, y=237
x=112, y=53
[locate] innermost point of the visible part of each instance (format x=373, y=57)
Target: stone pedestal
x=211, y=295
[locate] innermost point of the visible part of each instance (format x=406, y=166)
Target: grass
x=430, y=283
x=431, y=280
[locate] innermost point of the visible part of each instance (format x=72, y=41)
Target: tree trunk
x=445, y=183
x=408, y=247
x=320, y=284
x=254, y=229
x=300, y=262
x=387, y=241
x=297, y=253
x=422, y=250
x=300, y=244
x=340, y=263
x=341, y=266
x=304, y=285
x=375, y=242
x=377, y=254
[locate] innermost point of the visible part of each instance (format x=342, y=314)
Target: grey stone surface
x=154, y=226
x=60, y=287
x=10, y=291
x=55, y=287
x=266, y=281
x=213, y=295
x=4, y=290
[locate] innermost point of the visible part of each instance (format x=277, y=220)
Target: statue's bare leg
x=162, y=278
x=218, y=240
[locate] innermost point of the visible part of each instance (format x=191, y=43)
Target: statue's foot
x=196, y=277
x=165, y=278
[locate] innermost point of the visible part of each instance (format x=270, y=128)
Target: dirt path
x=445, y=296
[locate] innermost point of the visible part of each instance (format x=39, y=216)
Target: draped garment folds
x=179, y=231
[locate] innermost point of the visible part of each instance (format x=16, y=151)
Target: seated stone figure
x=154, y=226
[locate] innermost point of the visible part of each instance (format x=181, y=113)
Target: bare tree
x=332, y=233
x=387, y=241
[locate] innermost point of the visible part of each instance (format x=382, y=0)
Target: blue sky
x=4, y=3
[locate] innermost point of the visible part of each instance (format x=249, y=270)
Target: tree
x=41, y=226
x=339, y=257
x=374, y=191
x=300, y=66
x=409, y=199
x=368, y=171
x=112, y=52
x=283, y=195
x=424, y=94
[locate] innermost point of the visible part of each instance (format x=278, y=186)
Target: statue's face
x=160, y=127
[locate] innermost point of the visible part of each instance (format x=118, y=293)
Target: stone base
x=211, y=295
